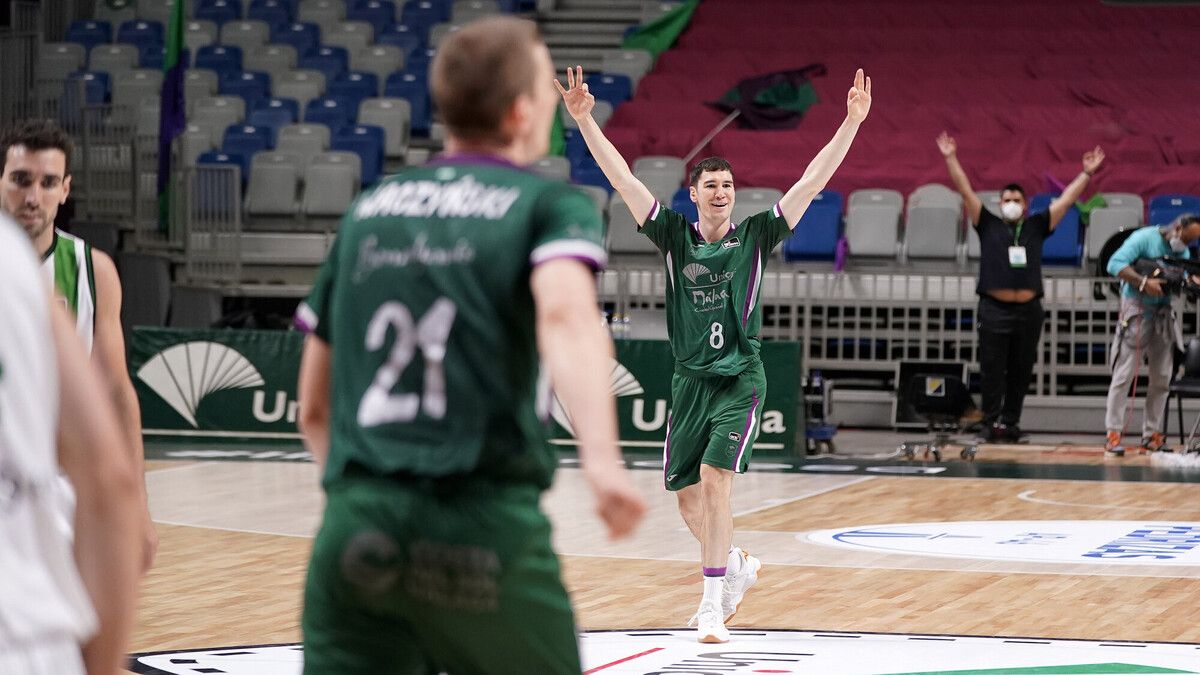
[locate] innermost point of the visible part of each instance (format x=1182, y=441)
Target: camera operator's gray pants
x=1142, y=332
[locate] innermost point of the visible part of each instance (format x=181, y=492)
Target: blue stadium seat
x=588, y=172
x=243, y=141
x=1166, y=208
x=332, y=61
x=413, y=89
x=273, y=114
x=402, y=36
x=219, y=58
x=1064, y=246
x=152, y=56
x=353, y=87
x=81, y=88
x=140, y=32
x=331, y=112
x=305, y=37
x=816, y=236
x=379, y=14
x=218, y=11
x=577, y=148
x=251, y=86
x=682, y=203
x=422, y=14
x=418, y=62
x=274, y=13
x=218, y=157
x=367, y=142
x=616, y=89
x=89, y=33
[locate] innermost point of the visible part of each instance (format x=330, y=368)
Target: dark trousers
x=1009, y=334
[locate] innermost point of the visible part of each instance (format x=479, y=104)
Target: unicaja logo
x=182, y=375
x=694, y=270
x=622, y=383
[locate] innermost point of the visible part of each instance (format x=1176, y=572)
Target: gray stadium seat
x=331, y=181
x=873, y=222
x=1104, y=223
x=302, y=85
x=129, y=88
x=349, y=34
x=113, y=58
x=661, y=174
x=193, y=142
x=57, y=60
x=394, y=116
x=934, y=194
x=148, y=112
x=324, y=13
x=749, y=201
x=197, y=34
x=217, y=113
x=932, y=225
x=155, y=10
x=632, y=62
x=599, y=196
x=623, y=235
x=1125, y=201
x=271, y=191
x=554, y=167
x=198, y=83
x=273, y=59
x=601, y=113
x=463, y=11
x=439, y=31
x=991, y=202
x=303, y=141
x=381, y=60
x=115, y=13
x=245, y=34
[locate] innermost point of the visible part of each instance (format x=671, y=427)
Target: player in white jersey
x=35, y=160
x=60, y=611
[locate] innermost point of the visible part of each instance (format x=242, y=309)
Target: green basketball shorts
x=713, y=420
x=425, y=576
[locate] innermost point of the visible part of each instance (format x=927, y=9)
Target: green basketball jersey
x=425, y=302
x=713, y=315
x=68, y=267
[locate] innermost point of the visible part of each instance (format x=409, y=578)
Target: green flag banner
x=558, y=139
x=659, y=35
x=240, y=385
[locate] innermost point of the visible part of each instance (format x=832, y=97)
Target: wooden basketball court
x=235, y=536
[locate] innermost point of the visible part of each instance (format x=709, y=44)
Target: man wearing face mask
x=1010, y=288
x=1146, y=325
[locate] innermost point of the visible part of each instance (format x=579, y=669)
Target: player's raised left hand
x=858, y=100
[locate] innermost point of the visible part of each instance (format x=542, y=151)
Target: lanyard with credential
x=1017, y=238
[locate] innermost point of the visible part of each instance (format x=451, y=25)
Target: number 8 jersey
x=425, y=302
x=713, y=315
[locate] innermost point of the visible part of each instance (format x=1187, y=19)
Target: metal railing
x=211, y=209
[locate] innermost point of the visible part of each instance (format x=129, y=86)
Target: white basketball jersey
x=41, y=595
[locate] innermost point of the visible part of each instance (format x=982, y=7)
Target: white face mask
x=1176, y=243
x=1011, y=211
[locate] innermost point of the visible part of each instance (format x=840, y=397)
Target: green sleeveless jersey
x=713, y=315
x=425, y=302
x=68, y=267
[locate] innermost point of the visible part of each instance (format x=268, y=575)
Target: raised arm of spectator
x=949, y=150
x=821, y=168
x=1092, y=160
x=579, y=104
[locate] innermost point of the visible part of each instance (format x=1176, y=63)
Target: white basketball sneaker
x=737, y=583
x=711, y=627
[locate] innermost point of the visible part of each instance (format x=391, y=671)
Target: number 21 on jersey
x=379, y=405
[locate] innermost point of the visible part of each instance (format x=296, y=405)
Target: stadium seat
x=661, y=174
x=274, y=60
x=221, y=158
x=349, y=35
x=198, y=83
x=331, y=112
x=154, y=55
x=218, y=113
x=271, y=190
x=330, y=61
x=934, y=194
x=246, y=34
x=303, y=141
x=681, y=203
x=304, y=37
x=324, y=13
x=244, y=140
x=301, y=85
x=129, y=88
x=588, y=172
x=750, y=201
x=599, y=197
x=56, y=61
x=411, y=88
x=273, y=114
x=379, y=60
x=553, y=167
x=612, y=87
x=147, y=123
x=112, y=58
x=601, y=113
x=423, y=14
x=816, y=235
x=331, y=181
x=251, y=86
x=197, y=34
x=219, y=58
x=394, y=117
x=1166, y=208
x=873, y=223
x=377, y=13
x=365, y=141
x=633, y=63
x=439, y=31
x=116, y=12
x=623, y=234
x=352, y=88
x=402, y=36
x=138, y=32
x=1064, y=246
x=193, y=142
x=89, y=33
x=463, y=11
x=218, y=11
x=271, y=12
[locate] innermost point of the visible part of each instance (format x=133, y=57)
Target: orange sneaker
x=1155, y=442
x=1112, y=443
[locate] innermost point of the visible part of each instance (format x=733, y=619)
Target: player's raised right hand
x=576, y=97
x=618, y=502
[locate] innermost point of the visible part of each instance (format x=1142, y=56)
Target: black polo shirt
x=995, y=236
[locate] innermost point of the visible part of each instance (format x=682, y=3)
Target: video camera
x=1176, y=274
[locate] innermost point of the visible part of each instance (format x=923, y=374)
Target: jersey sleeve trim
x=580, y=249
x=777, y=210
x=654, y=211
x=306, y=319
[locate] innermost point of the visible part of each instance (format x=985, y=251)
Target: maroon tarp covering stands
x=1024, y=86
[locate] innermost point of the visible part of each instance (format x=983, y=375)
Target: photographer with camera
x=1145, y=325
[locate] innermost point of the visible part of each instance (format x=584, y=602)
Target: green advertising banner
x=240, y=385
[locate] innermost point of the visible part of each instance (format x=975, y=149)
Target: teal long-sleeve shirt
x=1147, y=242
